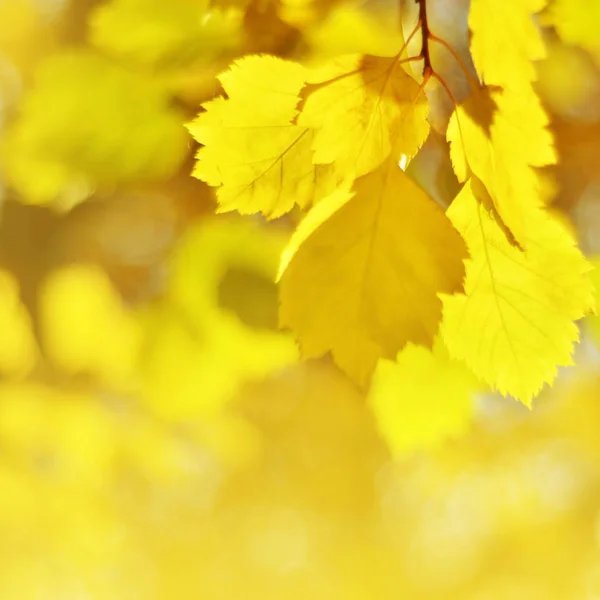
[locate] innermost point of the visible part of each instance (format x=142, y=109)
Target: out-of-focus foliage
x=197, y=352
x=114, y=127
x=575, y=22
x=366, y=28
x=162, y=35
x=160, y=436
x=85, y=328
x=18, y=351
x=25, y=36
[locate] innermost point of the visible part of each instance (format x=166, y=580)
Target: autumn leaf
x=506, y=40
x=514, y=323
x=360, y=106
x=361, y=273
x=252, y=151
x=421, y=399
x=501, y=137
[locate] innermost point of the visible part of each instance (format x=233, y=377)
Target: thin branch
x=425, y=35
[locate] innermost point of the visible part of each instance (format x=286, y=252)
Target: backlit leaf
x=361, y=106
x=500, y=137
x=505, y=40
x=362, y=271
x=514, y=324
x=252, y=151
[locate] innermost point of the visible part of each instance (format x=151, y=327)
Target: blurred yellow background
x=159, y=438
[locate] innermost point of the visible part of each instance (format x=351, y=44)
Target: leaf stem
x=410, y=59
x=445, y=86
x=472, y=81
x=427, y=36
x=408, y=40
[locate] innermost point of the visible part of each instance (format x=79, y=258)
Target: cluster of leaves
x=494, y=285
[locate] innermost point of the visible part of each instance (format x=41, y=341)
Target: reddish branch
x=425, y=35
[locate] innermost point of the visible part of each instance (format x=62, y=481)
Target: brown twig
x=425, y=34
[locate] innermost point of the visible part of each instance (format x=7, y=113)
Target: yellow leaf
x=18, y=348
x=165, y=34
x=501, y=137
x=577, y=22
x=89, y=122
x=514, y=324
x=363, y=269
x=506, y=40
x=86, y=328
x=421, y=399
x=361, y=106
x=252, y=150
